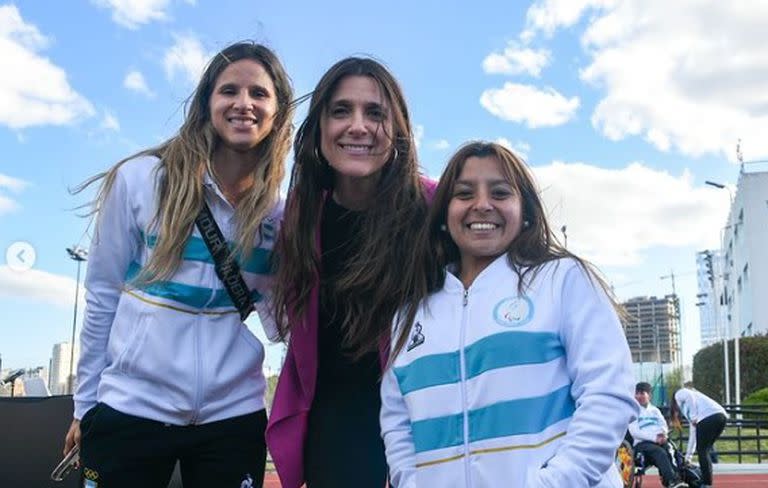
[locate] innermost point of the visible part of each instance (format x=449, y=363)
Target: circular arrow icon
x=20, y=256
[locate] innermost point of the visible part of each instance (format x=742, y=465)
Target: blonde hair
x=186, y=157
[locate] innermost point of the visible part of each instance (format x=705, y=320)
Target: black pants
x=658, y=456
x=344, y=448
x=120, y=450
x=707, y=432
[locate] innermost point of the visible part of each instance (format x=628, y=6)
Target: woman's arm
x=113, y=247
x=599, y=367
x=396, y=432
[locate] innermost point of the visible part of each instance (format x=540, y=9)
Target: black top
x=336, y=370
x=344, y=446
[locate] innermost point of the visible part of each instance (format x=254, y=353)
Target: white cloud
x=7, y=204
x=626, y=212
x=133, y=13
x=110, y=122
x=697, y=85
x=546, y=16
x=687, y=75
x=13, y=184
x=135, y=81
x=441, y=145
x=418, y=135
x=520, y=148
x=530, y=105
x=186, y=57
x=516, y=60
x=39, y=286
x=33, y=90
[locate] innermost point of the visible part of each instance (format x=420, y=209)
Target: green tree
x=708, y=367
x=269, y=395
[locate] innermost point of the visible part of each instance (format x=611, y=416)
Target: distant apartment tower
x=59, y=369
x=708, y=264
x=744, y=285
x=652, y=329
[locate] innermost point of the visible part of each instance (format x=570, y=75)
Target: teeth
x=356, y=148
x=482, y=226
x=242, y=121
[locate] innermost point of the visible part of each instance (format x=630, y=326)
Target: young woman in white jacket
x=509, y=365
x=168, y=371
x=707, y=420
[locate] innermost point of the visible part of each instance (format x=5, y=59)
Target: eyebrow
x=348, y=103
x=491, y=182
x=232, y=84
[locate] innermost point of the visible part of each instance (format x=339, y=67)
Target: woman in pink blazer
x=355, y=206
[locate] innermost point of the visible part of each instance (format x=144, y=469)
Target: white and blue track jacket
x=496, y=389
x=696, y=406
x=649, y=424
x=174, y=351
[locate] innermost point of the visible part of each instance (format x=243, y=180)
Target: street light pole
x=726, y=325
x=77, y=254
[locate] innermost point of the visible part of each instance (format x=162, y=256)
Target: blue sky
x=623, y=109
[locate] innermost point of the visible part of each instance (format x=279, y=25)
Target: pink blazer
x=289, y=418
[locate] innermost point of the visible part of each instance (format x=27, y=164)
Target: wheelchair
x=632, y=466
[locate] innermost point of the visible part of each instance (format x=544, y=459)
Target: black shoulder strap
x=227, y=268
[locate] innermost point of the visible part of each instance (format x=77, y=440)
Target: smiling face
x=243, y=105
x=643, y=397
x=356, y=129
x=484, y=213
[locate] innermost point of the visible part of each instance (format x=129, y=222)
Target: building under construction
x=653, y=329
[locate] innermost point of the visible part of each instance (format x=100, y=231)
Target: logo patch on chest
x=513, y=311
x=417, y=337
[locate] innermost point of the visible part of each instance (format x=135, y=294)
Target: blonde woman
x=168, y=372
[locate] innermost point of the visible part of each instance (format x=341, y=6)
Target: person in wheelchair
x=649, y=435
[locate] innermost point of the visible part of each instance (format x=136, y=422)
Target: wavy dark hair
x=372, y=280
x=535, y=245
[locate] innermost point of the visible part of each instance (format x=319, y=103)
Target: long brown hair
x=535, y=245
x=371, y=281
x=185, y=157
x=674, y=413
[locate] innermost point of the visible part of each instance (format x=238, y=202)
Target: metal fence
x=746, y=433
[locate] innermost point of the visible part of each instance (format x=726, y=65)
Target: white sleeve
x=396, y=432
x=114, y=245
x=685, y=402
x=602, y=385
x=265, y=306
x=662, y=421
x=265, y=309
x=691, y=442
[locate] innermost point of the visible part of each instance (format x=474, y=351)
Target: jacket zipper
x=464, y=401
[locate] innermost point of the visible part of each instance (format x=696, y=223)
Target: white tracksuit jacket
x=174, y=351
x=498, y=389
x=649, y=424
x=696, y=406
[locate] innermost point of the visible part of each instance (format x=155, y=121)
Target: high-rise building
x=745, y=259
x=59, y=370
x=708, y=265
x=652, y=329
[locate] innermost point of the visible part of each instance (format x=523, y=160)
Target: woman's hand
x=73, y=436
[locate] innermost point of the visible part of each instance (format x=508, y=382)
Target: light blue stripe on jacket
x=505, y=349
x=193, y=296
x=258, y=261
x=513, y=417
